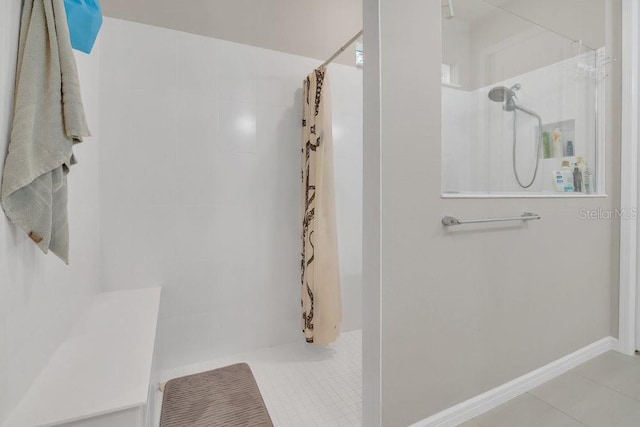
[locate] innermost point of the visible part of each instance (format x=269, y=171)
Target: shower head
x=505, y=94
x=500, y=94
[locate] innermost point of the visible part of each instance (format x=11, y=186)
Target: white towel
x=48, y=119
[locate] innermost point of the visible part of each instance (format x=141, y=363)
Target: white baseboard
x=486, y=401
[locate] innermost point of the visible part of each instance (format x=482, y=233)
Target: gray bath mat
x=225, y=397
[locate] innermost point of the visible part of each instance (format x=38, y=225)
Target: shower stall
x=208, y=200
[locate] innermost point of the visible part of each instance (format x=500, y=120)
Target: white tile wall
x=200, y=187
x=40, y=296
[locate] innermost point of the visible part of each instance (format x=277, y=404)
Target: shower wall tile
x=197, y=60
x=238, y=127
x=200, y=189
x=191, y=334
x=196, y=233
x=238, y=89
x=275, y=91
x=234, y=178
x=236, y=60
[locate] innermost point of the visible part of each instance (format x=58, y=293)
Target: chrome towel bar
x=452, y=220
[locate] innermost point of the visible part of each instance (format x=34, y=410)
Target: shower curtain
x=321, y=301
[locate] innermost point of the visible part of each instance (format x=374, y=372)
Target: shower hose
x=515, y=169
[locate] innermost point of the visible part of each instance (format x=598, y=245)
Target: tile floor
x=310, y=386
x=604, y=392
x=302, y=385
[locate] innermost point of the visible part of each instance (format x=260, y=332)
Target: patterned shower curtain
x=321, y=301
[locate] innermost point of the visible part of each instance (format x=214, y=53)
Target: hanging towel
x=321, y=301
x=48, y=119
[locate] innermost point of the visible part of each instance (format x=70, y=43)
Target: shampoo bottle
x=546, y=143
x=577, y=179
x=588, y=180
x=558, y=180
x=567, y=173
x=557, y=146
x=570, y=149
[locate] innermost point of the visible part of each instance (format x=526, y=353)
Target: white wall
x=466, y=310
x=462, y=155
x=575, y=19
x=456, y=50
x=504, y=41
x=40, y=297
x=301, y=27
x=505, y=46
x=371, y=222
x=200, y=187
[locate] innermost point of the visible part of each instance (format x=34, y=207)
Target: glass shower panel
x=519, y=101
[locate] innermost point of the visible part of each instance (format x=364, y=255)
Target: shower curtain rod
x=342, y=49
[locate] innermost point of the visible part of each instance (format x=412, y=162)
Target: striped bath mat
x=225, y=397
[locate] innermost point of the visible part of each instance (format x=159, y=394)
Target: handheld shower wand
x=508, y=96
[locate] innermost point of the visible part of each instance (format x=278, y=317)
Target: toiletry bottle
x=577, y=179
x=546, y=143
x=558, y=181
x=568, y=176
x=588, y=179
x=582, y=167
x=558, y=148
x=569, y=149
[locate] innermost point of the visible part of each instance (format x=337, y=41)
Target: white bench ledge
x=104, y=367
